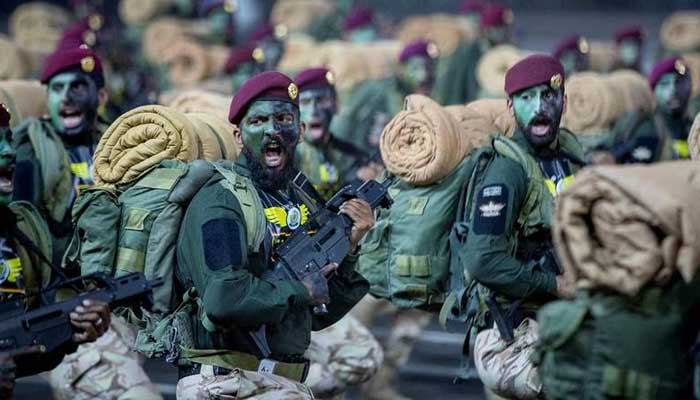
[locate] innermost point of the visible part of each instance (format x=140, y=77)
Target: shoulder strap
x=55, y=167
x=248, y=198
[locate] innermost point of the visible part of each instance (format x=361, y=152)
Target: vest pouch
x=417, y=280
x=133, y=238
x=160, y=254
x=373, y=256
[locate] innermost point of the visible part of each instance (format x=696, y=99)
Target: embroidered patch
x=222, y=247
x=491, y=210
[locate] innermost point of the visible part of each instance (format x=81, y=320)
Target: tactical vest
x=35, y=272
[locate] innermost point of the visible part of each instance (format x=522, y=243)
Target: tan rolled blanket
x=593, y=106
x=474, y=127
x=139, y=140
x=13, y=63
x=346, y=60
x=421, y=144
x=217, y=139
x=23, y=98
x=492, y=67
x=634, y=90
x=624, y=227
x=496, y=111
x=188, y=63
x=38, y=26
x=300, y=51
x=198, y=101
x=681, y=31
x=134, y=12
x=297, y=15
x=692, y=60
x=159, y=35
x=446, y=31
x=694, y=139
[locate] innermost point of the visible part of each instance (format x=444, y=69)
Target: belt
x=224, y=361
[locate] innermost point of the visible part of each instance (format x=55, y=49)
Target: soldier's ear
x=102, y=96
x=237, y=136
x=509, y=102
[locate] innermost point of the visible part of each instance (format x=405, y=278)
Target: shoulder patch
x=222, y=247
x=491, y=210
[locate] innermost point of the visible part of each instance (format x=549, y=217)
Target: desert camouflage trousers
x=506, y=369
x=240, y=384
x=342, y=355
x=105, y=369
x=407, y=327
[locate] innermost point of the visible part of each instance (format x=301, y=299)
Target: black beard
x=267, y=179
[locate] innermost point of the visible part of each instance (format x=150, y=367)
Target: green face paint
x=417, y=75
x=497, y=35
x=270, y=131
x=317, y=108
x=672, y=92
x=629, y=52
x=7, y=166
x=363, y=35
x=538, y=112
x=72, y=102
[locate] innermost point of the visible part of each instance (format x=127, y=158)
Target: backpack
x=406, y=255
x=607, y=345
x=135, y=229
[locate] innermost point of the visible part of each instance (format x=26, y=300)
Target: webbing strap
x=161, y=178
x=130, y=260
x=237, y=360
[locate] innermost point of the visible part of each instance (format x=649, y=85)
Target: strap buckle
x=267, y=366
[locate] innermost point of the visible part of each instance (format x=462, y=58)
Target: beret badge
x=555, y=81
x=87, y=64
x=330, y=78
x=679, y=67
x=293, y=91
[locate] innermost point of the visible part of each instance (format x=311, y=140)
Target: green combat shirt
x=329, y=166
x=369, y=107
x=455, y=78
x=647, y=138
x=213, y=257
x=501, y=255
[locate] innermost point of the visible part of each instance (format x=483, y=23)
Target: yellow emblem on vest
x=293, y=91
x=681, y=149
x=556, y=188
x=280, y=217
x=87, y=64
x=10, y=270
x=556, y=81
x=81, y=170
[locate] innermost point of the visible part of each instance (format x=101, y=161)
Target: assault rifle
x=326, y=238
x=49, y=325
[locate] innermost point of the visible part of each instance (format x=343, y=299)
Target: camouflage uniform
x=106, y=368
x=406, y=329
x=342, y=355
x=240, y=384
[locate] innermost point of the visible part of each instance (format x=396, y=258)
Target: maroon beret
x=629, y=32
x=575, y=43
x=81, y=32
x=315, y=78
x=671, y=64
x=269, y=85
x=495, y=15
x=358, y=17
x=471, y=6
x=419, y=48
x=5, y=116
x=532, y=71
x=239, y=56
x=80, y=58
x=265, y=31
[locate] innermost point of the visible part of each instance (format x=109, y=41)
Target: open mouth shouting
x=274, y=154
x=71, y=117
x=6, y=178
x=316, y=129
x=541, y=126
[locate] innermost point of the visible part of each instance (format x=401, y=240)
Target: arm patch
x=222, y=247
x=491, y=210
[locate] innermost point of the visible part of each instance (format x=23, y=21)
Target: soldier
x=572, y=53
x=218, y=15
x=25, y=248
x=327, y=161
x=243, y=62
x=223, y=254
x=628, y=48
x=374, y=102
x=662, y=135
x=269, y=39
x=359, y=26
x=54, y=154
x=509, y=248
x=471, y=10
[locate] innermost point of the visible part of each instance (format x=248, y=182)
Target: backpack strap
x=33, y=235
x=250, y=203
